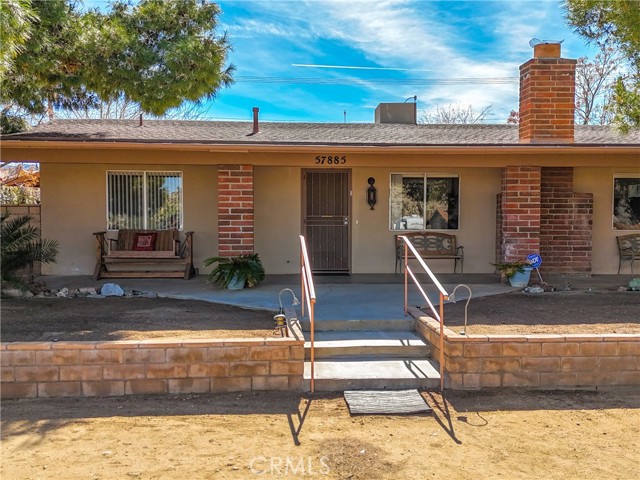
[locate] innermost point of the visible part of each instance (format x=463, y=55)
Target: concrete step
x=361, y=373
x=341, y=325
x=372, y=343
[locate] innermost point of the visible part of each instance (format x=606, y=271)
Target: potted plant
x=518, y=273
x=237, y=272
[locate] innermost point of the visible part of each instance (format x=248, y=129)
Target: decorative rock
x=150, y=295
x=534, y=289
x=64, y=293
x=88, y=291
x=28, y=294
x=12, y=293
x=634, y=284
x=111, y=290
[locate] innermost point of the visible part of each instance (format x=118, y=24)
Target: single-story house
x=543, y=186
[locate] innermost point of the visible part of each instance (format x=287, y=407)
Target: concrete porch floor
x=354, y=297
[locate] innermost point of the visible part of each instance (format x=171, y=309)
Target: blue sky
x=409, y=47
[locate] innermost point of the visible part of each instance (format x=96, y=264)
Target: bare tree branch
x=455, y=114
x=595, y=81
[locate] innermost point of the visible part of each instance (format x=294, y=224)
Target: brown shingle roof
x=210, y=132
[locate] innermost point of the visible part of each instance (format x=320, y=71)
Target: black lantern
x=372, y=194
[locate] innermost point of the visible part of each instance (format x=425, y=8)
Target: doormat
x=385, y=402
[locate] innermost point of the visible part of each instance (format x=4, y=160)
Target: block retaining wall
x=89, y=369
x=534, y=361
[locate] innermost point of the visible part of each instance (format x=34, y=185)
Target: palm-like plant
x=230, y=269
x=21, y=246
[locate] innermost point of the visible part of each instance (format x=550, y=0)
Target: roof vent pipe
x=140, y=120
x=256, y=126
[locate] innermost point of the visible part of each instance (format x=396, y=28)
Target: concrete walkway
x=357, y=297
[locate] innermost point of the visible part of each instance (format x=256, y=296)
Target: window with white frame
x=626, y=202
x=145, y=200
x=420, y=202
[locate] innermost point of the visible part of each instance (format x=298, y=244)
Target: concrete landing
x=397, y=344
x=359, y=324
x=335, y=301
x=361, y=374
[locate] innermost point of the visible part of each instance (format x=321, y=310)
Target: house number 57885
x=331, y=160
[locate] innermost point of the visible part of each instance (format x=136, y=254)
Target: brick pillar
x=499, y=228
x=520, y=213
x=235, y=210
x=547, y=97
x=566, y=223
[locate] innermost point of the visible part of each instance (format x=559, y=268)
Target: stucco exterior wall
x=74, y=206
x=373, y=244
x=278, y=218
x=74, y=195
x=599, y=181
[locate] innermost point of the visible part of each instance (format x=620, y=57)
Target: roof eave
x=502, y=148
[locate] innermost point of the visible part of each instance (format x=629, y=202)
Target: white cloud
x=411, y=34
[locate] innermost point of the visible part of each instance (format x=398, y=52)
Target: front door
x=326, y=219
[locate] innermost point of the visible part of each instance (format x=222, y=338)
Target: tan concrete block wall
x=535, y=361
x=87, y=369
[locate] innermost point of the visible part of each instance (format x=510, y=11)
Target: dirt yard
x=136, y=318
x=552, y=312
x=139, y=318
x=511, y=435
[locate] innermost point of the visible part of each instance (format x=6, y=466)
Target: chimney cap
x=545, y=48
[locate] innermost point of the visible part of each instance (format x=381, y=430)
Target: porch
x=353, y=297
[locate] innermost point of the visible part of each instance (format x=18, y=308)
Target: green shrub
x=21, y=246
x=243, y=267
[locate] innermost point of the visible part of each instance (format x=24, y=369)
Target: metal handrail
x=443, y=295
x=308, y=297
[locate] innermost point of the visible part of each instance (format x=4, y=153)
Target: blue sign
x=534, y=260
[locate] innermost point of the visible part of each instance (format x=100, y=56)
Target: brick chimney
x=547, y=96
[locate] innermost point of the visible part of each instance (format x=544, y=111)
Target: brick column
x=235, y=210
x=566, y=223
x=520, y=213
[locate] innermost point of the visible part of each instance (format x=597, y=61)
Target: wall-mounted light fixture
x=372, y=194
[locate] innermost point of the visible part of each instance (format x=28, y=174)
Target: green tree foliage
x=16, y=18
x=20, y=246
x=155, y=53
x=617, y=23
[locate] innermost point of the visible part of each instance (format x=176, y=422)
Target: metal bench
x=432, y=245
x=163, y=257
x=628, y=249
